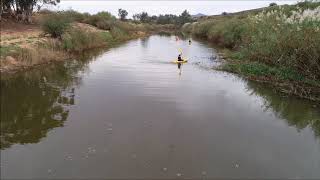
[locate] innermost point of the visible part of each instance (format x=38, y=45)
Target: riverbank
x=277, y=45
x=25, y=46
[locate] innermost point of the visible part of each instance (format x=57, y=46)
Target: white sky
x=156, y=7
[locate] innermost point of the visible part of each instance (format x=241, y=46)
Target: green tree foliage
x=167, y=19
x=122, y=14
x=143, y=17
x=185, y=17
x=102, y=20
x=22, y=9
x=49, y=109
x=273, y=4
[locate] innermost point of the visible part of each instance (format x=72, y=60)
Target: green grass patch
x=255, y=69
x=107, y=36
x=8, y=50
x=79, y=40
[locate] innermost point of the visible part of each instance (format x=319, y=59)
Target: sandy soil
x=19, y=34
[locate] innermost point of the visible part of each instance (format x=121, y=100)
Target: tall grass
x=78, y=40
x=102, y=20
x=291, y=41
x=279, y=36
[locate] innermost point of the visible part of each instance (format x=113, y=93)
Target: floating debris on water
x=203, y=173
x=179, y=174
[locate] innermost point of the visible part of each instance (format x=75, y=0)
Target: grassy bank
x=278, y=45
x=63, y=35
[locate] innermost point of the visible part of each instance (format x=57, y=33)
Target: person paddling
x=179, y=57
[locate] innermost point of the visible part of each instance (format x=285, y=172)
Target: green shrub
x=279, y=36
x=125, y=26
x=187, y=28
x=79, y=40
x=201, y=29
x=72, y=15
x=276, y=42
x=225, y=32
x=106, y=15
x=104, y=24
x=118, y=33
x=234, y=33
x=107, y=36
x=102, y=20
x=55, y=25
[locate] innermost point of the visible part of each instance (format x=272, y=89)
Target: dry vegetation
x=57, y=36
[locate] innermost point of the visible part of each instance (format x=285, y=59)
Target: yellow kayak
x=176, y=61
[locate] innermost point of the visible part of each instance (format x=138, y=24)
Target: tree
x=153, y=19
x=273, y=4
x=142, y=17
x=122, y=14
x=185, y=17
x=22, y=9
x=136, y=17
x=167, y=19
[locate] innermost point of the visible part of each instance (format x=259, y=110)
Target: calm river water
x=129, y=113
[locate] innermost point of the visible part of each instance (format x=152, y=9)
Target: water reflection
x=164, y=34
x=135, y=119
x=180, y=68
x=144, y=42
x=294, y=111
x=34, y=102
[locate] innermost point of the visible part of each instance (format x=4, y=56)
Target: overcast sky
x=156, y=7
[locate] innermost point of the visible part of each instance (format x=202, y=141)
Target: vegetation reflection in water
x=296, y=112
x=34, y=102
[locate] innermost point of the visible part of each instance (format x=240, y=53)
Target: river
x=128, y=112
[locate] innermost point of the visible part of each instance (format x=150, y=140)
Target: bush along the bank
x=291, y=41
x=78, y=40
x=66, y=33
x=279, y=44
x=72, y=38
x=55, y=25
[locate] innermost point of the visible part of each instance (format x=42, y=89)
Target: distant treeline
x=183, y=18
x=22, y=10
